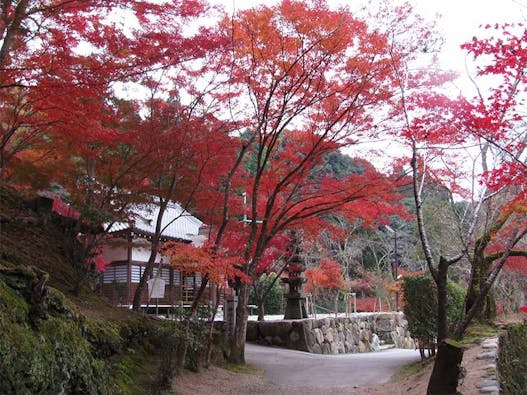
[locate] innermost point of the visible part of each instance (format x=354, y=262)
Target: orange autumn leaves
x=327, y=275
x=191, y=259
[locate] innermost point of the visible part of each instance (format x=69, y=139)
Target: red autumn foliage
x=368, y=303
x=327, y=275
x=191, y=259
x=59, y=61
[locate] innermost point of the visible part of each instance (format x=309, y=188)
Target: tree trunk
x=445, y=375
x=442, y=300
x=210, y=339
x=480, y=271
x=261, y=309
x=187, y=317
x=184, y=347
x=199, y=295
x=136, y=304
x=154, y=246
x=237, y=354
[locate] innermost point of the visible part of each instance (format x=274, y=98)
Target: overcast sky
x=459, y=20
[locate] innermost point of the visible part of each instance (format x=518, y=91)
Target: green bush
x=274, y=301
x=420, y=308
x=456, y=302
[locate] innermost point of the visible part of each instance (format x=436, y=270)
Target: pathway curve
x=292, y=368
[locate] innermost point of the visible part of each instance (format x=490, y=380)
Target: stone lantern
x=295, y=299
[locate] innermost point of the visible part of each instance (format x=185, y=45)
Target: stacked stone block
x=361, y=332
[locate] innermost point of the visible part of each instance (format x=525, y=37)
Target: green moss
x=136, y=369
x=413, y=369
x=478, y=331
x=57, y=303
x=51, y=358
x=69, y=353
x=512, y=360
x=454, y=343
x=13, y=307
x=247, y=369
x=104, y=337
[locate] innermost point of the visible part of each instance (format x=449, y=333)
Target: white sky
x=459, y=21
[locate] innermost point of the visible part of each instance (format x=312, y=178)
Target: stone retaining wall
x=361, y=332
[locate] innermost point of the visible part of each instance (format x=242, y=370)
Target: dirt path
x=221, y=381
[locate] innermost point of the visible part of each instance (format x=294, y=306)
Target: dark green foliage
x=65, y=352
x=196, y=338
x=512, y=360
x=456, y=302
x=420, y=308
x=339, y=165
x=275, y=296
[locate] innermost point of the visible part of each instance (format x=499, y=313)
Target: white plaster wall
x=142, y=254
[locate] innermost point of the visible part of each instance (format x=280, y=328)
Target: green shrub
x=456, y=302
x=275, y=298
x=420, y=308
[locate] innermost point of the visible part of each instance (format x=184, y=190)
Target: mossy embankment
x=53, y=341
x=512, y=361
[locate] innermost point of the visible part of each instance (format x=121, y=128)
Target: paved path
x=301, y=369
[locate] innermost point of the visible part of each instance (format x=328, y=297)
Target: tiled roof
x=177, y=223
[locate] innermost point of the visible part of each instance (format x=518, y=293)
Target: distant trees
x=326, y=277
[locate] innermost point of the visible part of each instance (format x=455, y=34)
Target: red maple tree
x=305, y=78
x=493, y=227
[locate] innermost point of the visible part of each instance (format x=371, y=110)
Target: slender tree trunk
x=210, y=341
x=261, y=309
x=186, y=336
x=187, y=317
x=237, y=354
x=12, y=31
x=199, y=294
x=442, y=300
x=136, y=304
x=261, y=298
x=163, y=203
x=473, y=287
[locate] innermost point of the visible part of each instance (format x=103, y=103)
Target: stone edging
x=489, y=383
